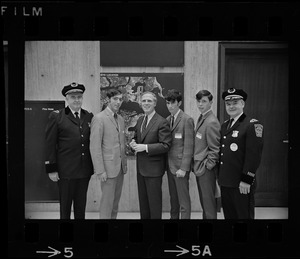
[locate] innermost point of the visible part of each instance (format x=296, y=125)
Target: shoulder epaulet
x=253, y=120
x=54, y=114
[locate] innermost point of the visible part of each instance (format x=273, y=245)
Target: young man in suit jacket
x=151, y=143
x=107, y=145
x=241, y=151
x=179, y=156
x=68, y=160
x=206, y=154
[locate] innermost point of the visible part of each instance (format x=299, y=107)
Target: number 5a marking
x=197, y=249
x=68, y=252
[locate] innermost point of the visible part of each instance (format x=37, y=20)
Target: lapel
x=178, y=119
x=150, y=124
x=235, y=125
x=203, y=119
x=70, y=115
x=82, y=116
x=111, y=118
x=138, y=128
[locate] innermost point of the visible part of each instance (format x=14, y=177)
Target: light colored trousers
x=111, y=194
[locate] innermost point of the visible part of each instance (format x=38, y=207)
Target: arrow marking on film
x=53, y=252
x=182, y=251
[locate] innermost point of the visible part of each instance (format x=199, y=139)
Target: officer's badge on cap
x=73, y=88
x=234, y=94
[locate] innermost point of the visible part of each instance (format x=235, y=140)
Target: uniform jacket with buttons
x=182, y=148
x=207, y=143
x=67, y=144
x=107, y=144
x=241, y=151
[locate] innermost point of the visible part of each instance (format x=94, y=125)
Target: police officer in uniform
x=68, y=159
x=240, y=156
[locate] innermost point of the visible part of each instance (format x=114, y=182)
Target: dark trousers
x=150, y=196
x=73, y=191
x=236, y=205
x=179, y=196
x=206, y=184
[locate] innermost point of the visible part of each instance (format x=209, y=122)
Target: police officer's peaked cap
x=234, y=94
x=73, y=88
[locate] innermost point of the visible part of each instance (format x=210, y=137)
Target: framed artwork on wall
x=132, y=85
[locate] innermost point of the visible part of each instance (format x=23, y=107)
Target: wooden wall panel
x=49, y=65
x=200, y=72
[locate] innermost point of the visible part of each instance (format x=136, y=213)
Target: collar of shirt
x=111, y=112
x=176, y=115
x=150, y=116
x=206, y=112
x=79, y=111
x=236, y=118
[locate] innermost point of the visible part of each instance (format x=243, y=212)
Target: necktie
x=229, y=124
x=116, y=119
x=200, y=118
x=172, y=121
x=145, y=123
x=77, y=117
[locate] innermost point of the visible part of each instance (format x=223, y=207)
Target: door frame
x=241, y=47
x=226, y=47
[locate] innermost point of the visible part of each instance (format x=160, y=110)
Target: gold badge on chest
x=235, y=133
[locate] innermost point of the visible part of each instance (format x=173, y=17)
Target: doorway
x=261, y=70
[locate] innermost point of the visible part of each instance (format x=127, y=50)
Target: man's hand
x=103, y=177
x=132, y=143
x=140, y=147
x=244, y=188
x=180, y=173
x=137, y=147
x=54, y=176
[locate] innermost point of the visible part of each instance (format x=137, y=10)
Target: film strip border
x=131, y=21
x=147, y=21
x=103, y=239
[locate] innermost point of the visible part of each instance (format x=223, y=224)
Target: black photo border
x=182, y=20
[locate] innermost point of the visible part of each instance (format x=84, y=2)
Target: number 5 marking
x=68, y=250
x=196, y=248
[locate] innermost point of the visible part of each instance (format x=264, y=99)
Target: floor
x=260, y=213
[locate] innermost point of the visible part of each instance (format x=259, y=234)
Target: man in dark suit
x=68, y=159
x=240, y=156
x=206, y=154
x=179, y=156
x=107, y=145
x=151, y=143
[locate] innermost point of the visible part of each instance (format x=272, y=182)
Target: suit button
x=224, y=137
x=222, y=154
x=82, y=136
x=82, y=145
x=223, y=145
x=221, y=163
x=82, y=154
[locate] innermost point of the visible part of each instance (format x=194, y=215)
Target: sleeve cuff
x=99, y=173
x=50, y=167
x=248, y=178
